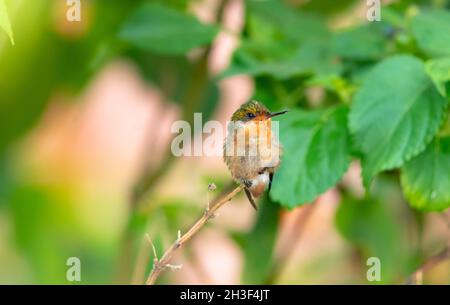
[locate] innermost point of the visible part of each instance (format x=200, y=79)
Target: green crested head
x=252, y=110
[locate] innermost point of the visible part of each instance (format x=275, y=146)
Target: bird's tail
x=250, y=198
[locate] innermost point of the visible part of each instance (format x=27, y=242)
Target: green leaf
x=324, y=7
x=431, y=30
x=163, y=30
x=426, y=180
x=316, y=154
x=363, y=43
x=257, y=59
x=4, y=21
x=275, y=46
x=293, y=25
x=439, y=71
x=395, y=114
x=261, y=239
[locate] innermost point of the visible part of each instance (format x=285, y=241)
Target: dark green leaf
x=395, y=114
x=311, y=58
x=164, y=30
x=363, y=43
x=324, y=7
x=316, y=154
x=432, y=32
x=426, y=178
x=292, y=24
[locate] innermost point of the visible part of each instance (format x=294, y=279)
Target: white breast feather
x=260, y=179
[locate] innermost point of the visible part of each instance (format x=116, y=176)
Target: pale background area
x=97, y=145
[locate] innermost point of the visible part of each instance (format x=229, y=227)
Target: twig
x=153, y=245
x=416, y=277
x=160, y=264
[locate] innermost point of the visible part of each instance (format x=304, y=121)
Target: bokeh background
x=86, y=169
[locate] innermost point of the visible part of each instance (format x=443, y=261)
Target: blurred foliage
x=47, y=44
x=376, y=92
x=431, y=30
x=156, y=28
x=372, y=225
x=5, y=24
x=261, y=239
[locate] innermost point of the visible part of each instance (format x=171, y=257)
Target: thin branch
x=163, y=263
x=149, y=239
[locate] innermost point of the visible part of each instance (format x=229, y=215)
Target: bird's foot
x=247, y=183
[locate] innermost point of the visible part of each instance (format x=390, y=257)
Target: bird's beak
x=271, y=115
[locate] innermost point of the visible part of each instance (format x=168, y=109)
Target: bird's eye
x=250, y=115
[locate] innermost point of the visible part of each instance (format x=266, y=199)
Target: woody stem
x=161, y=264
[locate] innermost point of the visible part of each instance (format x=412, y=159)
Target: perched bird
x=251, y=150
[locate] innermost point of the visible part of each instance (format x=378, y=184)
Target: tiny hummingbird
x=251, y=150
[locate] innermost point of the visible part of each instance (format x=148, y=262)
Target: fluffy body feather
x=251, y=150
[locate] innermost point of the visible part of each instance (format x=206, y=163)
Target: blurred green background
x=85, y=163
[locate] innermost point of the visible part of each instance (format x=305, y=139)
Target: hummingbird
x=251, y=150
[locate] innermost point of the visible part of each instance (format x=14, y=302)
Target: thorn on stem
x=210, y=215
x=211, y=187
x=156, y=264
x=155, y=255
x=159, y=265
x=178, y=241
x=173, y=267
